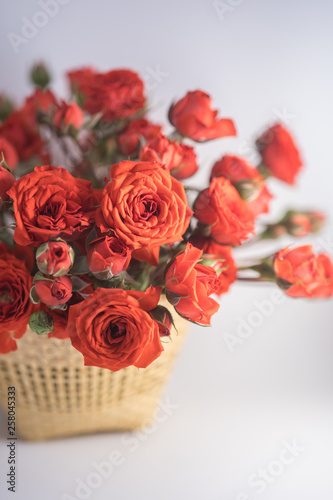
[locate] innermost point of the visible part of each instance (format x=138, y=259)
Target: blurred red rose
x=15, y=304
x=119, y=93
x=194, y=117
x=180, y=159
x=280, y=155
x=129, y=139
x=7, y=179
x=220, y=207
x=247, y=180
x=302, y=273
x=8, y=152
x=68, y=114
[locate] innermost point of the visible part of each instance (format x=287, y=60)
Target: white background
x=235, y=411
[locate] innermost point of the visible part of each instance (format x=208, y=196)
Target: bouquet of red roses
x=88, y=248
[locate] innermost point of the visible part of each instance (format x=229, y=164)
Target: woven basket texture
x=57, y=396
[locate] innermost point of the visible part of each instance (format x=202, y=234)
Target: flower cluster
x=98, y=222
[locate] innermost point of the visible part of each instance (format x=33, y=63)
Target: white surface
x=235, y=410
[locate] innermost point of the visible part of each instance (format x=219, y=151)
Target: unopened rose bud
x=107, y=257
x=163, y=318
x=40, y=76
x=55, y=258
x=6, y=107
x=54, y=292
x=41, y=322
x=301, y=224
x=68, y=115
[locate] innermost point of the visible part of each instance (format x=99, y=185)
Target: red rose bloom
x=279, y=153
x=119, y=93
x=143, y=205
x=180, y=159
x=112, y=328
x=247, y=180
x=15, y=304
x=301, y=273
x=6, y=181
x=51, y=203
x=129, y=140
x=189, y=285
x=55, y=291
x=20, y=129
x=108, y=256
x=68, y=114
x=194, y=117
x=221, y=208
x=7, y=151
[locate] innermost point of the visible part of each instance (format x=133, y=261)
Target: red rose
x=194, y=117
x=55, y=258
x=20, y=129
x=107, y=256
x=143, y=205
x=129, y=140
x=247, y=180
x=15, y=304
x=51, y=203
x=6, y=181
x=112, y=328
x=68, y=114
x=180, y=159
x=301, y=273
x=221, y=208
x=40, y=100
x=119, y=93
x=55, y=291
x=145, y=254
x=189, y=285
x=279, y=153
x=223, y=263
x=7, y=151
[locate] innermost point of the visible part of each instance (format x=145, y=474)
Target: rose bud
x=55, y=258
x=8, y=153
x=194, y=117
x=6, y=181
x=164, y=320
x=41, y=322
x=107, y=256
x=68, y=114
x=247, y=180
x=301, y=224
x=54, y=292
x=280, y=156
x=40, y=76
x=301, y=273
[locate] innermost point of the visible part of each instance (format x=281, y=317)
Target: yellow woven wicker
x=56, y=395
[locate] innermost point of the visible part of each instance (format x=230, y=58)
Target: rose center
x=117, y=330
x=147, y=208
x=5, y=297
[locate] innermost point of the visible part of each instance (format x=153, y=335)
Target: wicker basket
x=56, y=395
